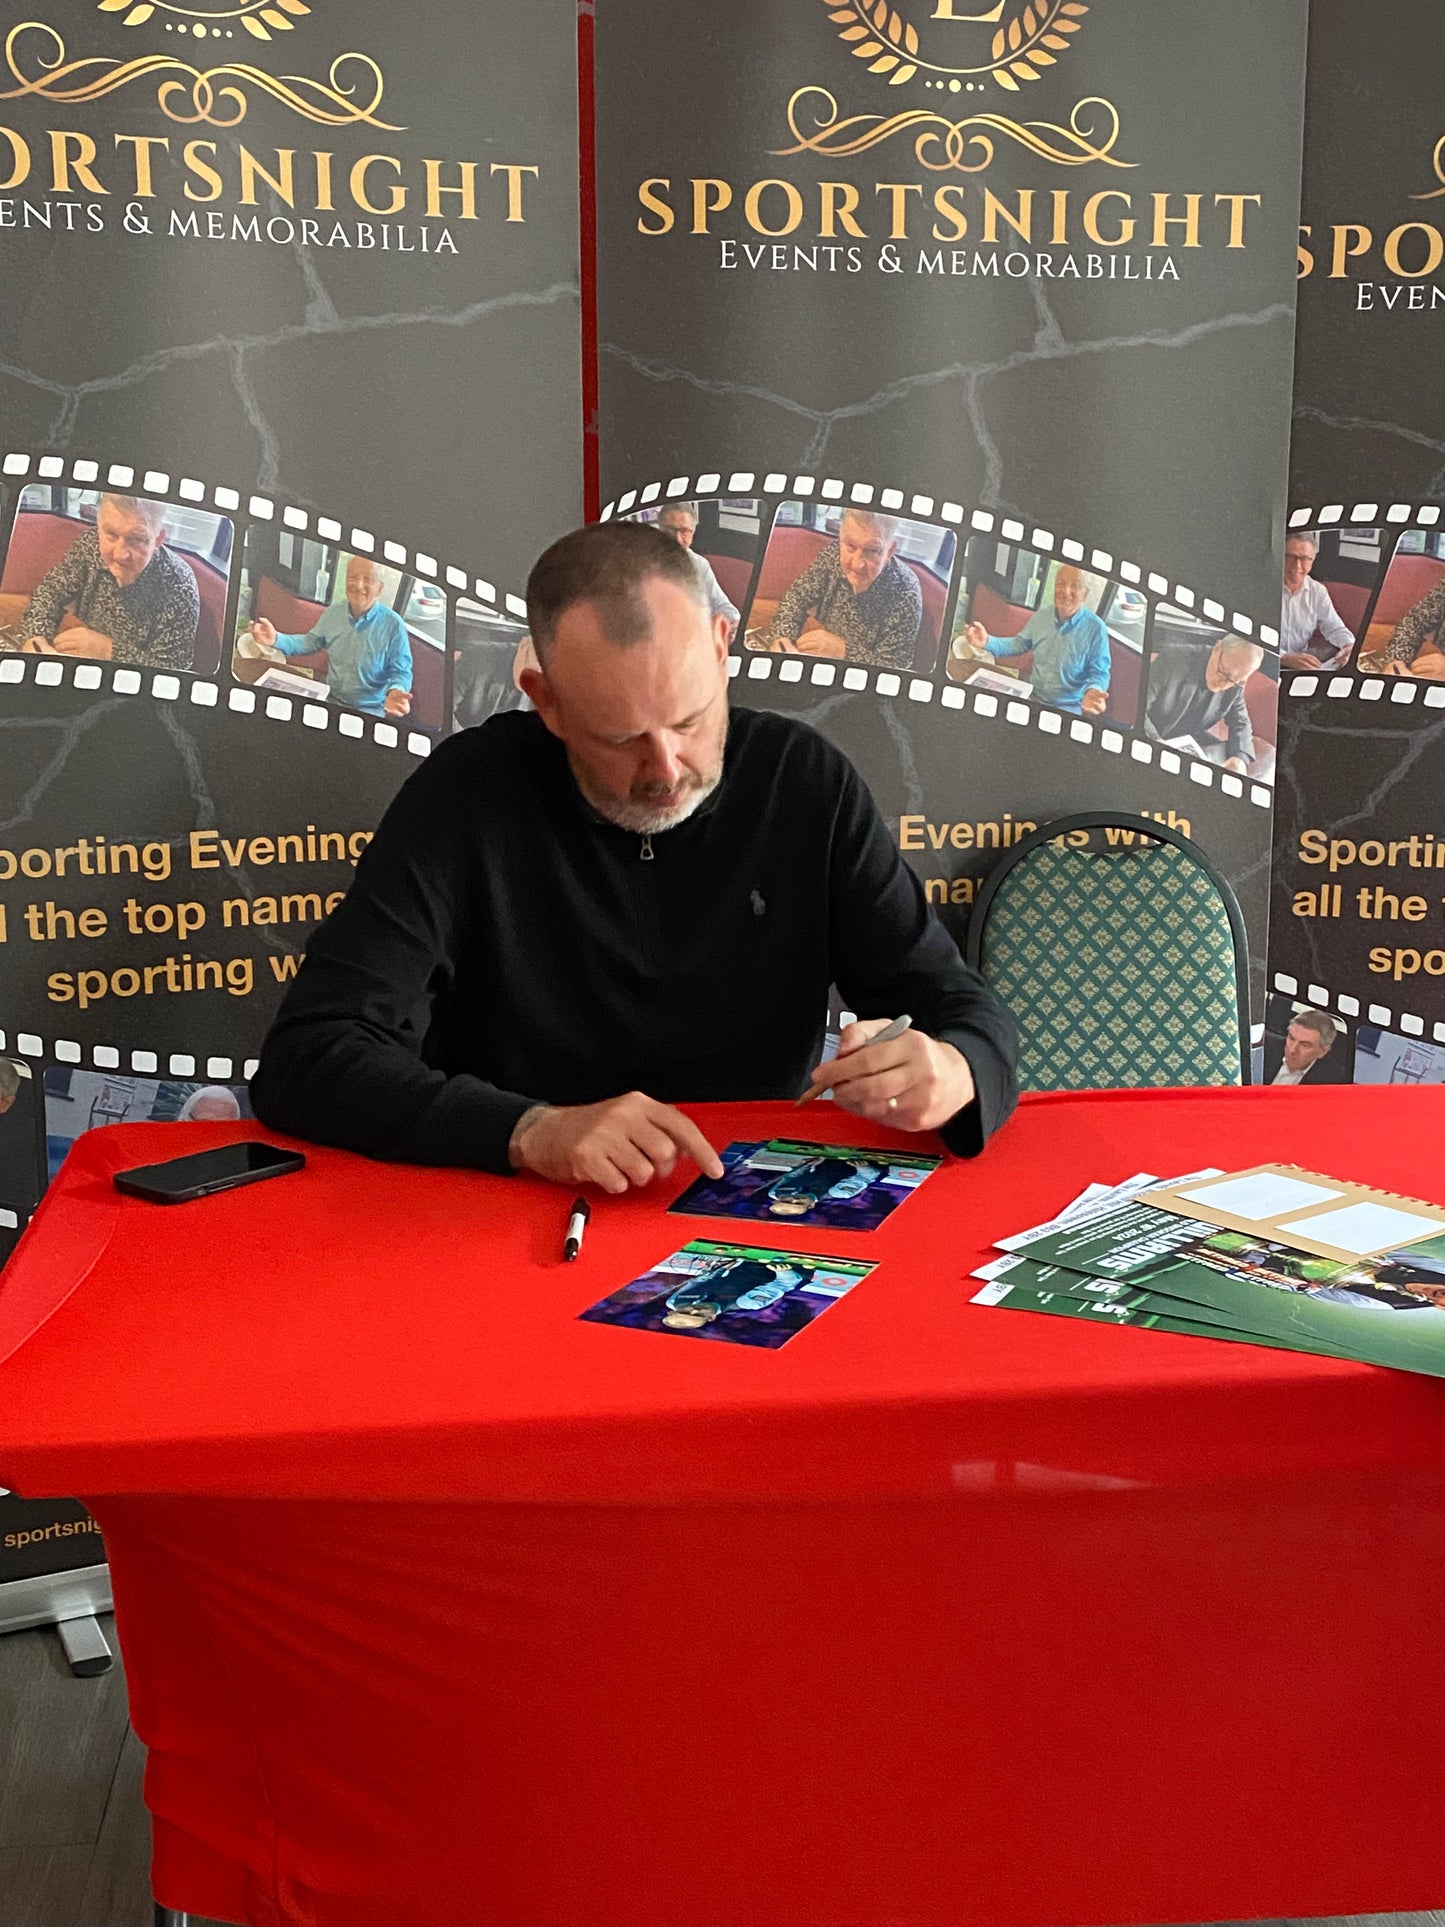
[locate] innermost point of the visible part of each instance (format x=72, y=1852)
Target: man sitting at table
x=679, y=520
x=1193, y=688
x=1311, y=634
x=864, y=603
x=1072, y=660
x=131, y=600
x=366, y=644
x=571, y=920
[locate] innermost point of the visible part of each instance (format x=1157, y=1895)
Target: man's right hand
x=621, y=1142
x=975, y=635
x=264, y=632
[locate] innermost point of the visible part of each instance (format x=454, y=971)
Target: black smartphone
x=204, y=1172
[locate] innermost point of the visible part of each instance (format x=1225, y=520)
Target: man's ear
x=533, y=684
x=720, y=636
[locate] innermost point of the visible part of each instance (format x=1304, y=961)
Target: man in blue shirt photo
x=366, y=644
x=1070, y=648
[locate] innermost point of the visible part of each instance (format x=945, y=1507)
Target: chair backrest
x=1121, y=953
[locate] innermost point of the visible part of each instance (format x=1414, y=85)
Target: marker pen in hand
x=886, y=1036
x=576, y=1225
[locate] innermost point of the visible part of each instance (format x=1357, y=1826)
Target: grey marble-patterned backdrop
x=433, y=395
x=1148, y=418
x=1369, y=406
x=1358, y=926
x=219, y=266
x=1133, y=398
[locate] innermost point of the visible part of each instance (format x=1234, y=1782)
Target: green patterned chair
x=1125, y=962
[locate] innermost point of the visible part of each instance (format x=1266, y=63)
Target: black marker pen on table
x=576, y=1225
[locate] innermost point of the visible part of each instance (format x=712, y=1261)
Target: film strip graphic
x=1334, y=519
x=1352, y=685
x=247, y=511
x=929, y=688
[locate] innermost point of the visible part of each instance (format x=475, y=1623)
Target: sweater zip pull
x=646, y=856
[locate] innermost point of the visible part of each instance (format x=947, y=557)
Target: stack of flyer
x=1269, y=1256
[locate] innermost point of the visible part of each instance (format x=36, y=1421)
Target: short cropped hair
x=1323, y=1026
x=9, y=1078
x=689, y=509
x=606, y=564
x=153, y=514
x=885, y=526
x=1304, y=535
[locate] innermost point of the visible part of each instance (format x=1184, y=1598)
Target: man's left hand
x=820, y=642
x=398, y=702
x=80, y=641
x=915, y=1083
x=1095, y=702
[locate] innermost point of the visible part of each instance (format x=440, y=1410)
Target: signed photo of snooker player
x=738, y=1294
x=788, y=1181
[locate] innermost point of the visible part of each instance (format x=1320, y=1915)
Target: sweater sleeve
x=343, y=1064
x=54, y=593
x=798, y=600
x=897, y=636
x=891, y=955
x=172, y=643
x=1241, y=730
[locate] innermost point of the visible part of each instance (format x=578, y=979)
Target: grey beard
x=640, y=818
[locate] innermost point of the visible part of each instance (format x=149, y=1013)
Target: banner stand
x=69, y=1601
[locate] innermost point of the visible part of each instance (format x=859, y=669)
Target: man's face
x=862, y=552
x=1229, y=668
x=1299, y=559
x=1303, y=1047
x=1069, y=592
x=644, y=725
x=363, y=585
x=679, y=525
x=127, y=542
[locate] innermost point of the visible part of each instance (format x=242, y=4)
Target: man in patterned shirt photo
x=127, y=597
x=865, y=603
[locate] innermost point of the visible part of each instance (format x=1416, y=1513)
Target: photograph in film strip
x=1038, y=677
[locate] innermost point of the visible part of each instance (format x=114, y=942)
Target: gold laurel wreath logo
x=331, y=103
x=966, y=146
x=259, y=17
x=1029, y=40
x=1437, y=161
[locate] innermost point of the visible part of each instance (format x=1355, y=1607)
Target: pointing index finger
x=688, y=1139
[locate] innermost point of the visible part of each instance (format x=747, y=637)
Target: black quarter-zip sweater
x=502, y=946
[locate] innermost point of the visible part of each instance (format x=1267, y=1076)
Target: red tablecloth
x=439, y=1605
